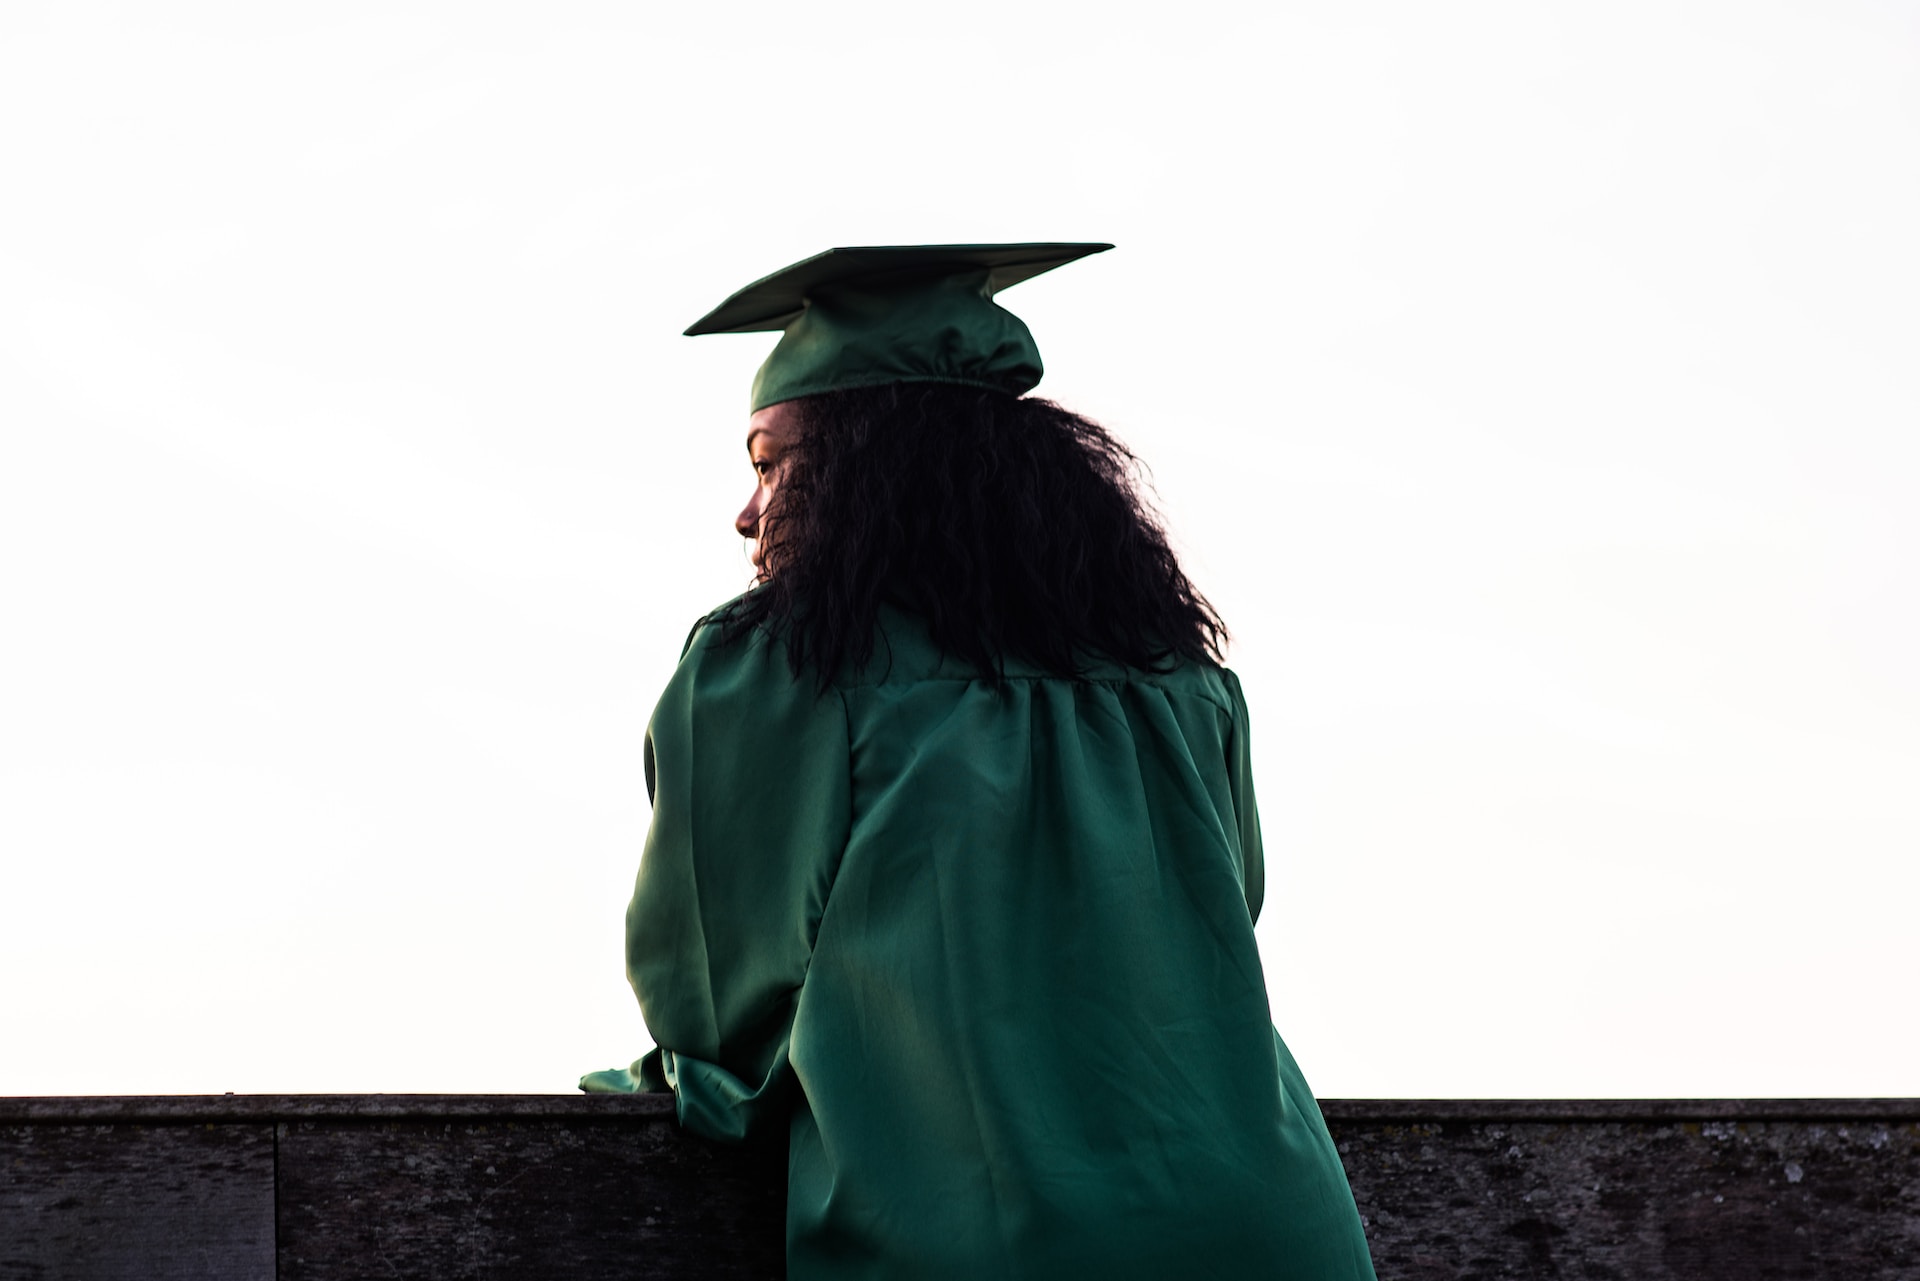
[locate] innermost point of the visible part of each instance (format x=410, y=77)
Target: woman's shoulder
x=711, y=627
x=722, y=649
x=904, y=653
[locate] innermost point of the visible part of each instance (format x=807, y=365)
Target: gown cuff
x=645, y=1075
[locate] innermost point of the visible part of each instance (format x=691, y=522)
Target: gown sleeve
x=1253, y=871
x=749, y=776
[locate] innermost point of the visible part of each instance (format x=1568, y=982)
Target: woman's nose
x=747, y=523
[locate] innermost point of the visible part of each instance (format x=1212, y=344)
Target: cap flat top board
x=774, y=302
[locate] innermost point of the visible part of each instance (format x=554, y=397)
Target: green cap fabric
x=875, y=314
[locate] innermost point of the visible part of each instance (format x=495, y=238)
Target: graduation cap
x=877, y=314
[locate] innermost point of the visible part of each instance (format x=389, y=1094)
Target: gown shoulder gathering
x=986, y=953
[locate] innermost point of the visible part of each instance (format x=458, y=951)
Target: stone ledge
x=312, y=1187
x=170, y=1108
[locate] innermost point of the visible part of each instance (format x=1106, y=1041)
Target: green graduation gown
x=988, y=954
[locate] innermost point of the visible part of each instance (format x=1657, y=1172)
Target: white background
x=1533, y=387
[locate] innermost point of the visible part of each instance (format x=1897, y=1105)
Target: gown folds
x=986, y=952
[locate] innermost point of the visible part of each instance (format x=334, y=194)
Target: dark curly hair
x=1013, y=527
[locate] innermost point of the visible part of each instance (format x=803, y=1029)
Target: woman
x=954, y=860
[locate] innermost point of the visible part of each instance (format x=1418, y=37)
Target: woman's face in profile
x=771, y=434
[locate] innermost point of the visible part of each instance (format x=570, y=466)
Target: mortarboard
x=877, y=314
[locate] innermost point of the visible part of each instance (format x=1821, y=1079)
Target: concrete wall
x=231, y=1187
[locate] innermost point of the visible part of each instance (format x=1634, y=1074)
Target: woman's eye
x=762, y=466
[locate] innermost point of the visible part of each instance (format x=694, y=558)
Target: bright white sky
x=1533, y=386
